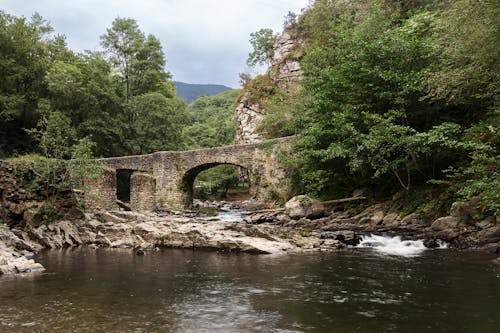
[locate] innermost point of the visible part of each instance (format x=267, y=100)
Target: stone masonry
x=164, y=180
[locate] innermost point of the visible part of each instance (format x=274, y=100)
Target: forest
x=121, y=99
x=397, y=97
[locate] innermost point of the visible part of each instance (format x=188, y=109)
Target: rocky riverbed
x=147, y=231
x=281, y=231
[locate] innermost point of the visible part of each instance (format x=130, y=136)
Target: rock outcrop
x=15, y=254
x=284, y=73
x=22, y=205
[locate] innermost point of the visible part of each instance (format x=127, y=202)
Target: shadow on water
x=357, y=290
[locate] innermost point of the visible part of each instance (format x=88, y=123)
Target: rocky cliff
x=284, y=72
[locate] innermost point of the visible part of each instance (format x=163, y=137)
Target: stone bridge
x=164, y=180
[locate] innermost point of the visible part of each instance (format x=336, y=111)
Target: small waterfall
x=394, y=245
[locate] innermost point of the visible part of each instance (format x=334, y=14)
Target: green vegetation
x=121, y=99
x=395, y=96
x=210, y=124
x=262, y=43
x=210, y=121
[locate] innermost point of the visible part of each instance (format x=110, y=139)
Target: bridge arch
x=190, y=175
x=164, y=179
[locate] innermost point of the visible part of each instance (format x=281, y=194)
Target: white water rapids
x=394, y=245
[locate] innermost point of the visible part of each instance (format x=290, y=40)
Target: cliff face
x=284, y=72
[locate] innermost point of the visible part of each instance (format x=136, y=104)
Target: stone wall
x=100, y=194
x=170, y=184
x=142, y=191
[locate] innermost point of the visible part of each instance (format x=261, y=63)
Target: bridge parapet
x=170, y=174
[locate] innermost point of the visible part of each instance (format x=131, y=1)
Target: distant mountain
x=189, y=92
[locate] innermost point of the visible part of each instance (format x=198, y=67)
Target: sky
x=204, y=41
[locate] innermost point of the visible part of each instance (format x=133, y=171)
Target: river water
x=356, y=290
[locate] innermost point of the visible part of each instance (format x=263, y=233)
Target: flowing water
x=356, y=290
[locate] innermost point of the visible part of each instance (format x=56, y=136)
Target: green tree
x=139, y=60
x=210, y=120
x=157, y=123
x=467, y=36
x=262, y=43
x=27, y=48
x=55, y=135
x=367, y=83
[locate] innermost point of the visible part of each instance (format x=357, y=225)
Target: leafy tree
x=467, y=37
x=55, y=135
x=210, y=120
x=139, y=60
x=367, y=114
x=157, y=123
x=25, y=55
x=262, y=43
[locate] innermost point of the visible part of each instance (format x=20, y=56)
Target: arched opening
x=216, y=181
x=123, y=184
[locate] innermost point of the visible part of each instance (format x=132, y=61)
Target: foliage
x=82, y=95
x=139, y=59
x=209, y=122
x=26, y=49
x=480, y=176
x=394, y=95
x=468, y=35
x=262, y=43
x=217, y=181
x=156, y=123
x=54, y=134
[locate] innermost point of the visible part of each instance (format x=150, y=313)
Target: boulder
x=303, y=206
x=445, y=223
x=391, y=220
x=374, y=218
x=412, y=219
x=490, y=235
x=491, y=248
x=347, y=237
x=464, y=210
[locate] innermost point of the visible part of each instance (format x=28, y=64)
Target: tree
x=25, y=56
x=210, y=120
x=262, y=43
x=122, y=41
x=467, y=37
x=139, y=60
x=367, y=86
x=157, y=123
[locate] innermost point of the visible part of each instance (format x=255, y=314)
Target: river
x=355, y=290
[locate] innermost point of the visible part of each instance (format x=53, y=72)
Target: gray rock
x=445, y=223
x=490, y=235
x=302, y=206
x=391, y=220
x=463, y=210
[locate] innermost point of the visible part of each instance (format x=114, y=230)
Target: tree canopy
x=122, y=99
x=395, y=95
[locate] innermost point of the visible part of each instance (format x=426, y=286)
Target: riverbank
x=260, y=233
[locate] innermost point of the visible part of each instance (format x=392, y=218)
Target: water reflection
x=114, y=290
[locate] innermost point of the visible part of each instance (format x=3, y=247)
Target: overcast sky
x=205, y=41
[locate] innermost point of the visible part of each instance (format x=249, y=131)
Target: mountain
x=189, y=92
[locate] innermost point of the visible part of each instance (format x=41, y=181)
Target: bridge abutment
x=164, y=180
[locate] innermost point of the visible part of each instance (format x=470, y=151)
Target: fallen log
x=343, y=200
x=271, y=210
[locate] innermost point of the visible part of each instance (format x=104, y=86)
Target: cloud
x=205, y=41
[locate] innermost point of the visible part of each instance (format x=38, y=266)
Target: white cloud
x=205, y=41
